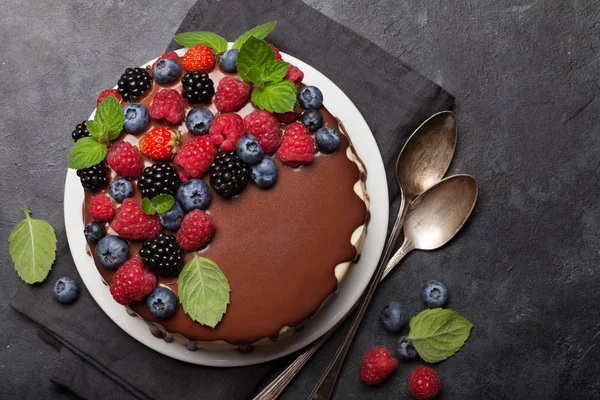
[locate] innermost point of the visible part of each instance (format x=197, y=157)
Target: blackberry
x=134, y=83
x=93, y=177
x=159, y=178
x=162, y=255
x=80, y=131
x=228, y=174
x=197, y=87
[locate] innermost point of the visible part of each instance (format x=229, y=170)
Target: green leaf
x=251, y=60
x=260, y=32
x=110, y=114
x=203, y=291
x=212, y=40
x=278, y=97
x=98, y=130
x=163, y=203
x=438, y=333
x=147, y=206
x=274, y=71
x=86, y=153
x=32, y=247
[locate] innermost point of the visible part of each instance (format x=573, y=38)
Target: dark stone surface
x=524, y=269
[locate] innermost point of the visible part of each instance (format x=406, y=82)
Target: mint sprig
x=259, y=32
x=110, y=114
x=159, y=204
x=86, y=153
x=275, y=97
x=210, y=39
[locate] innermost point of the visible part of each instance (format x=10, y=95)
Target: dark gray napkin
x=97, y=359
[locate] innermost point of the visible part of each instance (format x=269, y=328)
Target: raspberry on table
x=134, y=84
x=424, y=383
x=131, y=222
x=107, y=92
x=229, y=175
x=80, y=131
x=196, y=156
x=159, y=178
x=168, y=104
x=101, y=208
x=197, y=87
x=297, y=146
x=198, y=58
x=93, y=177
x=132, y=282
x=231, y=94
x=125, y=160
x=264, y=126
x=162, y=255
x=226, y=130
x=195, y=231
x=376, y=365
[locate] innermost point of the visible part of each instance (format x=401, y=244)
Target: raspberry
x=231, y=94
x=170, y=54
x=101, y=208
x=198, y=58
x=196, y=230
x=264, y=126
x=424, y=383
x=132, y=282
x=105, y=93
x=377, y=364
x=168, y=104
x=287, y=117
x=297, y=146
x=196, y=156
x=183, y=177
x=131, y=222
x=277, y=53
x=226, y=130
x=125, y=160
x=294, y=74
x=160, y=143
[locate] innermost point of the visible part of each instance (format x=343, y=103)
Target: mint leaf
x=163, y=203
x=251, y=60
x=203, y=291
x=212, y=40
x=259, y=32
x=32, y=247
x=110, y=114
x=274, y=71
x=278, y=97
x=86, y=153
x=438, y=333
x=147, y=206
x=98, y=130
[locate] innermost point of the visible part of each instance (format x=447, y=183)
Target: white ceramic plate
x=349, y=292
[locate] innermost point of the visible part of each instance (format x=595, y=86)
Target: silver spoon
x=422, y=162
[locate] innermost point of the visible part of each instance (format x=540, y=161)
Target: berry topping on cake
x=196, y=156
x=294, y=74
x=297, y=146
x=132, y=223
x=66, y=290
x=196, y=230
x=80, y=131
x=310, y=97
x=228, y=60
x=162, y=302
x=377, y=364
x=199, y=120
x=159, y=178
x=226, y=130
x=424, y=383
x=288, y=117
x=162, y=255
x=264, y=174
x=228, y=174
x=120, y=189
x=125, y=160
x=136, y=117
x=160, y=143
x=249, y=150
x=93, y=177
x=168, y=104
x=197, y=87
x=132, y=282
x=134, y=84
x=94, y=231
x=312, y=119
x=105, y=93
x=276, y=51
x=166, y=70
x=264, y=126
x=169, y=54
x=194, y=194
x=171, y=219
x=112, y=251
x=328, y=140
x=231, y=94
x=101, y=208
x=198, y=58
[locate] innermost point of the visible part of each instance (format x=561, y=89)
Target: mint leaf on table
x=259, y=32
x=438, y=334
x=252, y=58
x=159, y=204
x=212, y=40
x=203, y=291
x=86, y=153
x=110, y=114
x=279, y=97
x=32, y=247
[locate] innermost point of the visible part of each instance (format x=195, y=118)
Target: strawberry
x=160, y=143
x=198, y=58
x=105, y=93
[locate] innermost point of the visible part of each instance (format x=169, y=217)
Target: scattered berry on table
x=310, y=97
x=160, y=143
x=393, y=316
x=168, y=104
x=194, y=194
x=249, y=150
x=424, y=383
x=376, y=365
x=66, y=290
x=171, y=219
x=231, y=94
x=198, y=58
x=131, y=222
x=162, y=255
x=166, y=70
x=228, y=60
x=434, y=294
x=228, y=174
x=328, y=140
x=276, y=51
x=134, y=84
x=169, y=54
x=93, y=177
x=196, y=230
x=313, y=119
x=197, y=87
x=132, y=282
x=297, y=146
x=264, y=174
x=80, y=131
x=196, y=156
x=101, y=208
x=136, y=117
x=162, y=302
x=94, y=231
x=107, y=92
x=125, y=160
x=264, y=126
x=287, y=117
x=112, y=251
x=294, y=74
x=198, y=120
x=405, y=349
x=120, y=189
x=226, y=130
x=159, y=178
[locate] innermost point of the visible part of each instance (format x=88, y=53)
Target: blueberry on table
x=328, y=140
x=249, y=150
x=136, y=117
x=264, y=174
x=313, y=119
x=310, y=97
x=162, y=302
x=172, y=219
x=228, y=60
x=166, y=70
x=120, y=189
x=194, y=194
x=393, y=316
x=94, y=231
x=198, y=120
x=112, y=251
x=66, y=290
x=405, y=349
x=434, y=294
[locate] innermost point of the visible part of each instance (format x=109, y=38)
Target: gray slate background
x=526, y=76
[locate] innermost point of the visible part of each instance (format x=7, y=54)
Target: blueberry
x=120, y=189
x=94, y=231
x=198, y=120
x=434, y=294
x=172, y=218
x=249, y=150
x=193, y=194
x=264, y=174
x=328, y=140
x=166, y=70
x=310, y=97
x=405, y=349
x=66, y=290
x=112, y=251
x=393, y=316
x=313, y=119
x=136, y=117
x=162, y=302
x=228, y=60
